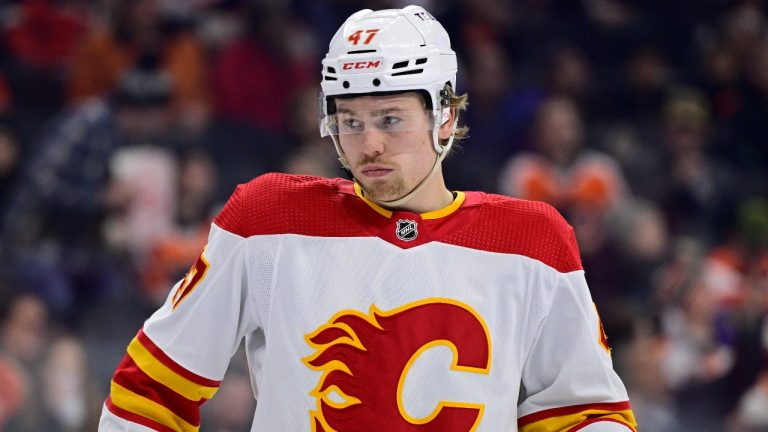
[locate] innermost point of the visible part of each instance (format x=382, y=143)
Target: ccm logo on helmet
x=366, y=64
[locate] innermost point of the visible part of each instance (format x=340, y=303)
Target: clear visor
x=387, y=120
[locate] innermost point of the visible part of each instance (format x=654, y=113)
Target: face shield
x=391, y=121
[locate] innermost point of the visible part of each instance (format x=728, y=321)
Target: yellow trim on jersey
x=452, y=207
x=134, y=403
x=379, y=209
x=189, y=283
x=164, y=375
x=561, y=423
x=437, y=214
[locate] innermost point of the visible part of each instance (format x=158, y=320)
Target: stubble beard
x=383, y=190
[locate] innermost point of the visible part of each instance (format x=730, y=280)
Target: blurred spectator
x=636, y=156
x=562, y=171
x=497, y=121
x=38, y=39
x=143, y=188
x=647, y=77
x=752, y=414
x=220, y=25
x=748, y=323
x=569, y=74
x=170, y=254
x=52, y=232
x=642, y=246
x=311, y=154
x=743, y=27
x=256, y=77
x=69, y=400
x=141, y=31
x=196, y=184
x=698, y=354
x=53, y=369
x=640, y=366
x=732, y=266
x=24, y=327
x=24, y=335
x=698, y=189
x=622, y=273
x=13, y=390
x=485, y=20
x=737, y=271
x=746, y=143
x=63, y=24
x=721, y=80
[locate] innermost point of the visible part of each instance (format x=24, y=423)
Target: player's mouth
x=374, y=171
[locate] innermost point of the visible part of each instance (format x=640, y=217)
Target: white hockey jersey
x=476, y=317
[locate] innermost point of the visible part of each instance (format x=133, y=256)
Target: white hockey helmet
x=386, y=51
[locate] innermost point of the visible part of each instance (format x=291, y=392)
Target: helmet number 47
x=355, y=37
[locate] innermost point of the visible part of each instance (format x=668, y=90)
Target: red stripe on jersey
x=281, y=204
x=506, y=225
x=172, y=365
x=135, y=418
x=130, y=376
x=573, y=409
x=582, y=425
x=313, y=206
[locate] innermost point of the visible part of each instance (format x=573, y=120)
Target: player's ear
x=447, y=125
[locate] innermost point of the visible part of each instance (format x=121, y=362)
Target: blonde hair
x=460, y=103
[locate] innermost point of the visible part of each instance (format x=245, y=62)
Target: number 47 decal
x=355, y=37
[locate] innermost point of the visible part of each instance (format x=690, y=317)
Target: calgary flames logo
x=364, y=360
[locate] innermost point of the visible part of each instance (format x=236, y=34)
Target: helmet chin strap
x=441, y=152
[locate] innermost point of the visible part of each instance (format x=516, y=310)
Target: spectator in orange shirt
x=561, y=171
x=140, y=34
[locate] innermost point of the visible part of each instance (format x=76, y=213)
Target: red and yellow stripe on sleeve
x=150, y=389
x=576, y=417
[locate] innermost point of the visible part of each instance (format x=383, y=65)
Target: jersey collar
x=437, y=214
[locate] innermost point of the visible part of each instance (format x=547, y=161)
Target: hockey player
x=386, y=303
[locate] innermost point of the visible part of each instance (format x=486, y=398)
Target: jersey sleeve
x=568, y=381
x=176, y=361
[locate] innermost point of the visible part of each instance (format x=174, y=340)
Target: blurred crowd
x=125, y=125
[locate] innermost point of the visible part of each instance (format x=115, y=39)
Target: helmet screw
x=376, y=82
x=345, y=84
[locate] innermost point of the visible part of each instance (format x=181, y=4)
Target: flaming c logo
x=364, y=360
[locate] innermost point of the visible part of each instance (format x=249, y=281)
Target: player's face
x=387, y=142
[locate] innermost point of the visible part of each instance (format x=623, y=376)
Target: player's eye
x=352, y=126
x=390, y=121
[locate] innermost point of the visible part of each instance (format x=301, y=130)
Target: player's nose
x=373, y=142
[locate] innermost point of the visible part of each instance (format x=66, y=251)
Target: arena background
x=124, y=126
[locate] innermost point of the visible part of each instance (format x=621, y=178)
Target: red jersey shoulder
x=515, y=226
x=277, y=203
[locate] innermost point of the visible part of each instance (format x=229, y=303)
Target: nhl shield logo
x=406, y=230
